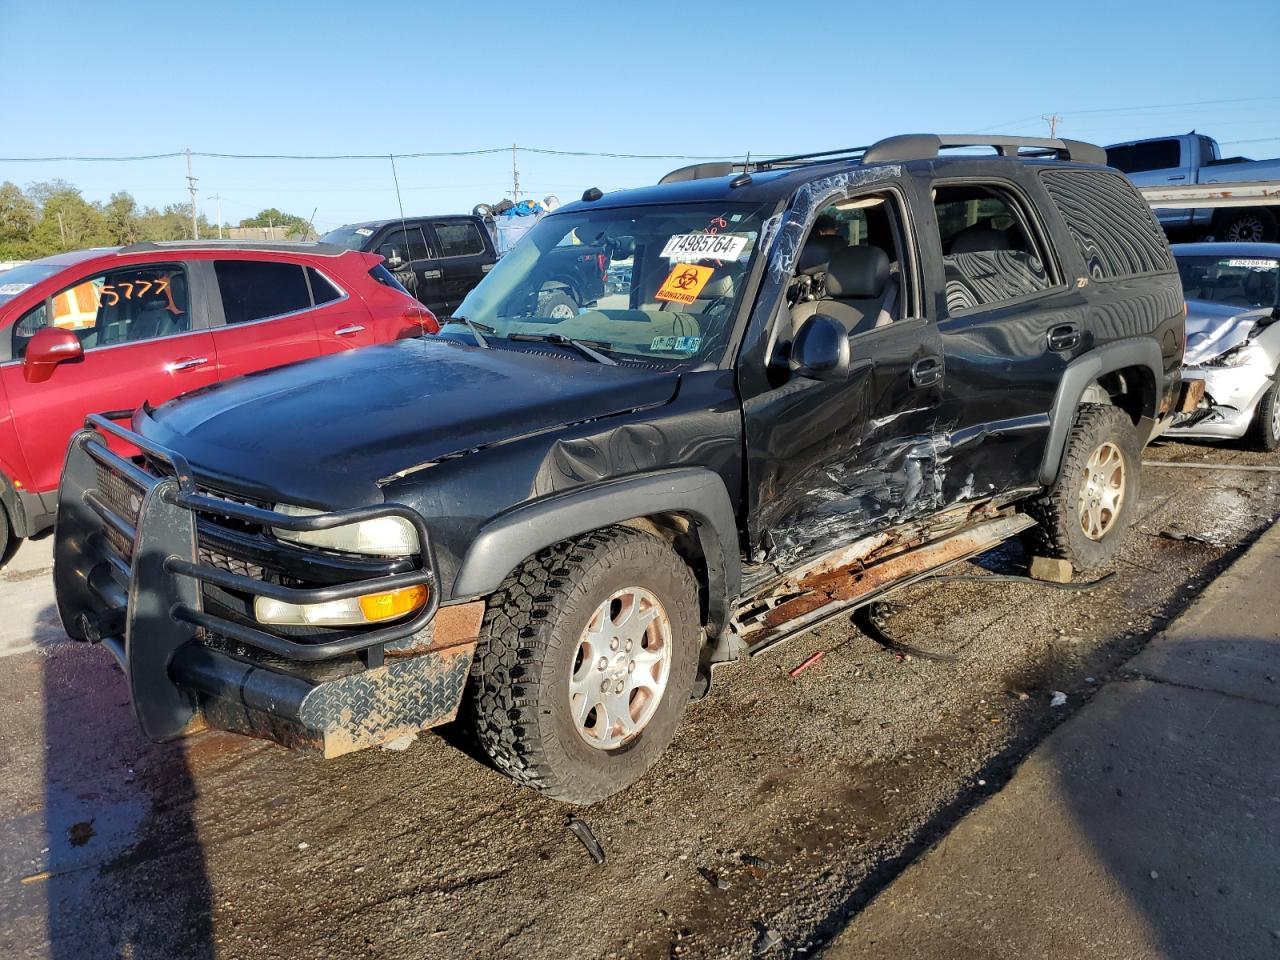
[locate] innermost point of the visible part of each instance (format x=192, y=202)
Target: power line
x=373, y=156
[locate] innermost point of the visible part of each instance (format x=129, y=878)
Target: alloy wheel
x=1102, y=491
x=621, y=668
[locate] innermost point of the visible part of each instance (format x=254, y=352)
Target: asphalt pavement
x=1147, y=826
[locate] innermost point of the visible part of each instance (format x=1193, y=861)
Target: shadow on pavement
x=126, y=872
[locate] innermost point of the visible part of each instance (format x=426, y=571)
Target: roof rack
x=923, y=146
x=283, y=246
x=899, y=149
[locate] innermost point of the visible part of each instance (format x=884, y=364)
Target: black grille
x=125, y=499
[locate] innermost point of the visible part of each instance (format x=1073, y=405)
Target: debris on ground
x=766, y=938
x=1058, y=699
x=400, y=744
x=588, y=838
x=713, y=878
x=758, y=867
x=1182, y=535
x=809, y=661
x=1051, y=569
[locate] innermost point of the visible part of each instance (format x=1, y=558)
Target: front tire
x=1085, y=516
x=8, y=542
x=1264, y=432
x=1251, y=225
x=557, y=305
x=588, y=655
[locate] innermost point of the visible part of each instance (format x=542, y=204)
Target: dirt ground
x=782, y=807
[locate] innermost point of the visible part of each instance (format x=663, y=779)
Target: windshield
x=1236, y=281
x=353, y=238
x=14, y=281
x=654, y=282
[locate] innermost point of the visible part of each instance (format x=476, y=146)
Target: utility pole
x=191, y=185
x=1052, y=119
x=218, y=197
x=515, y=176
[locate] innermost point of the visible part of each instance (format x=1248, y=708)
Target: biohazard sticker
x=691, y=247
x=675, y=344
x=684, y=283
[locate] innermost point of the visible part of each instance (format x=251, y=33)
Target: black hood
x=325, y=431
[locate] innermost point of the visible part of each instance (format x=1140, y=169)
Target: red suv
x=106, y=330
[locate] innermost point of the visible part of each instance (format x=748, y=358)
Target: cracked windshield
x=666, y=280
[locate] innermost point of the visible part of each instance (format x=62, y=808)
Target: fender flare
x=506, y=541
x=1076, y=379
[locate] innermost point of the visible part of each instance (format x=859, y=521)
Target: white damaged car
x=1233, y=341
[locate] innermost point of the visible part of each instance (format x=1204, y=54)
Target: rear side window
x=322, y=288
x=258, y=289
x=1140, y=157
x=990, y=253
x=1112, y=227
x=388, y=279
x=459, y=238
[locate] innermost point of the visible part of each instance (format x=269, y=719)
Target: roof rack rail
x=924, y=146
x=283, y=246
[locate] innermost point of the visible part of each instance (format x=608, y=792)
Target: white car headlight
x=357, y=611
x=1242, y=356
x=380, y=537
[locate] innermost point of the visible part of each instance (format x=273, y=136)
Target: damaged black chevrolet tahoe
x=826, y=376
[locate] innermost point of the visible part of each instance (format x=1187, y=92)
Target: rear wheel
x=588, y=655
x=1253, y=225
x=557, y=305
x=1086, y=514
x=1264, y=433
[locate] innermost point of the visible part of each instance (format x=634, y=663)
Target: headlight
x=382, y=537
x=358, y=611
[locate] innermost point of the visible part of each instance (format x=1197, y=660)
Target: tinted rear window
x=1139, y=157
x=322, y=288
x=1112, y=227
x=257, y=289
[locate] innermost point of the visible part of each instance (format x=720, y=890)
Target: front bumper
x=150, y=565
x=1231, y=396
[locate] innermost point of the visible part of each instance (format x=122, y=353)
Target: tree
x=18, y=215
x=67, y=220
x=285, y=223
x=121, y=218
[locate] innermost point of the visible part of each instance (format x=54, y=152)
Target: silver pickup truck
x=1195, y=158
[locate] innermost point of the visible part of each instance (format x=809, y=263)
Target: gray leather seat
x=860, y=292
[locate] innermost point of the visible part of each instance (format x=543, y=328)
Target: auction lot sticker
x=704, y=246
x=684, y=283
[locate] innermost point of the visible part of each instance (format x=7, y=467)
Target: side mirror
x=820, y=349
x=393, y=258
x=49, y=347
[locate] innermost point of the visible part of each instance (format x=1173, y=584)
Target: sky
x=130, y=78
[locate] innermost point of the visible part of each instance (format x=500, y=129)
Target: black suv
x=824, y=377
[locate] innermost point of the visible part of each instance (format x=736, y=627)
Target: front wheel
x=1085, y=515
x=587, y=658
x=8, y=542
x=1264, y=432
x=1252, y=225
x=556, y=305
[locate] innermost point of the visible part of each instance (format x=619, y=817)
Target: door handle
x=926, y=372
x=432, y=274
x=1065, y=336
x=186, y=363
x=1181, y=176
x=347, y=331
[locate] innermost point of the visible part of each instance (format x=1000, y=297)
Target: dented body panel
x=793, y=496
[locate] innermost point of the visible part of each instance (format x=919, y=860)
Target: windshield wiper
x=475, y=329
x=585, y=347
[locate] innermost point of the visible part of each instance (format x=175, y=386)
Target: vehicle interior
x=851, y=266
x=1237, y=282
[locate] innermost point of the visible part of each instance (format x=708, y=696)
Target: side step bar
x=827, y=593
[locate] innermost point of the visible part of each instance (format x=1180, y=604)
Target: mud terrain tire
x=1061, y=531
x=518, y=696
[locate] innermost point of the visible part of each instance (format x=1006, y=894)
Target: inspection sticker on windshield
x=676, y=344
x=12, y=288
x=364, y=232
x=1253, y=264
x=689, y=247
x=684, y=283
